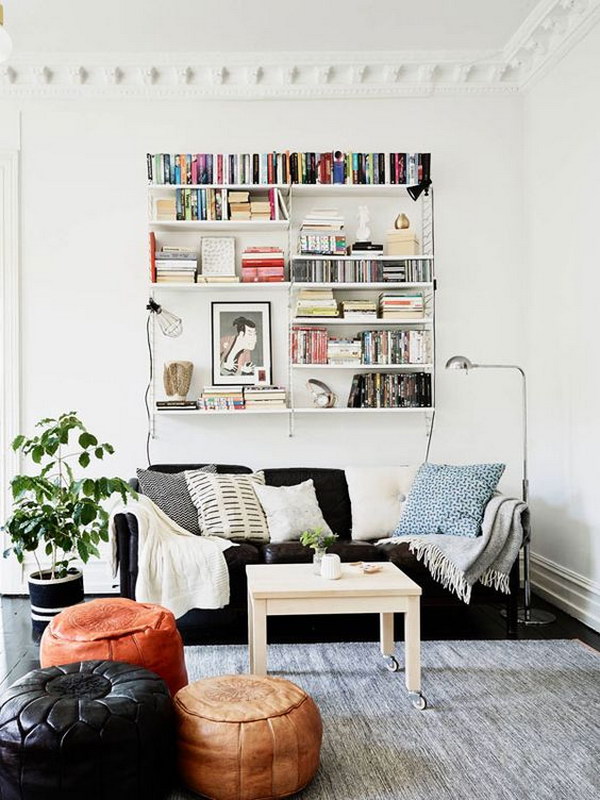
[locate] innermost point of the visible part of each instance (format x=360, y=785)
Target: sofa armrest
x=126, y=529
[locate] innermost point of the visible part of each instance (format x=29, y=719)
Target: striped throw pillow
x=170, y=493
x=228, y=506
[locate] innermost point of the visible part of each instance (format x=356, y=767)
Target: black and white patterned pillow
x=170, y=493
x=228, y=506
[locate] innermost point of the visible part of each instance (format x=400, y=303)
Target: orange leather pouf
x=117, y=629
x=243, y=737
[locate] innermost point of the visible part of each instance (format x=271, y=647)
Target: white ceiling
x=201, y=26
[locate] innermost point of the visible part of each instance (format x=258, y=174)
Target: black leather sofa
x=334, y=500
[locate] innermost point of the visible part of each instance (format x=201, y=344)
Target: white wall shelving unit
x=388, y=200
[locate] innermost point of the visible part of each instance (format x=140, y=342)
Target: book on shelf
x=176, y=405
x=401, y=306
x=263, y=265
x=308, y=345
x=390, y=390
x=222, y=398
x=392, y=347
x=343, y=351
x=285, y=167
x=218, y=279
x=316, y=303
x=175, y=266
x=265, y=397
x=360, y=310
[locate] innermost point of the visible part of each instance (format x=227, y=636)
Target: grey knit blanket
x=458, y=562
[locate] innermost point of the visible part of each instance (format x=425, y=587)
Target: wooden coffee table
x=282, y=589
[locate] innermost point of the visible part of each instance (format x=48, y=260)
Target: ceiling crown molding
x=548, y=33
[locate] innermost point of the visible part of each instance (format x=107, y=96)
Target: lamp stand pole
x=527, y=614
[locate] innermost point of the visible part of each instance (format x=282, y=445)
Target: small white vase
x=331, y=566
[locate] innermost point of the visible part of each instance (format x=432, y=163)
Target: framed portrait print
x=241, y=343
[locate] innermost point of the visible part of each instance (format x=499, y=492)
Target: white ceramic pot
x=331, y=566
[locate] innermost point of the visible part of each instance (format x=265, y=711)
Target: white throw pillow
x=377, y=495
x=227, y=505
x=291, y=510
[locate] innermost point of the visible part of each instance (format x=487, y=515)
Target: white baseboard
x=573, y=593
x=97, y=579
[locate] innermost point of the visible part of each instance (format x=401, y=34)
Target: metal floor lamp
x=527, y=614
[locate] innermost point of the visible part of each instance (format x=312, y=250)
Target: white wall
x=84, y=271
x=562, y=126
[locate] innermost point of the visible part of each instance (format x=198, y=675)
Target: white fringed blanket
x=458, y=562
x=176, y=569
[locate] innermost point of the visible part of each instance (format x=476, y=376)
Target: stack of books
x=176, y=405
x=316, y=303
x=359, y=310
x=322, y=232
x=309, y=345
x=176, y=265
x=222, y=398
x=165, y=209
x=396, y=347
x=239, y=205
x=382, y=390
x=343, y=351
x=265, y=397
x=401, y=306
x=263, y=264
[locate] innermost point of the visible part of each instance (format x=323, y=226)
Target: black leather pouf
x=96, y=730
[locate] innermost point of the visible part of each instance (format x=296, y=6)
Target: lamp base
x=535, y=616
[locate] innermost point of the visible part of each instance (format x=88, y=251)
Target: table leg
x=386, y=633
x=258, y=648
x=250, y=634
x=412, y=645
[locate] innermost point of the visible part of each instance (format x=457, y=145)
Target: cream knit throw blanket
x=458, y=562
x=176, y=569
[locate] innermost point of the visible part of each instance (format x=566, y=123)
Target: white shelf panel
x=342, y=410
x=376, y=323
x=240, y=225
x=202, y=413
x=384, y=189
x=369, y=367
x=208, y=287
x=362, y=286
x=236, y=187
x=314, y=257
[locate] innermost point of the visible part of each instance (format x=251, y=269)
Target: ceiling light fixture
x=5, y=40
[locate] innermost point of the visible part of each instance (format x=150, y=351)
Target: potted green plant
x=59, y=511
x=319, y=541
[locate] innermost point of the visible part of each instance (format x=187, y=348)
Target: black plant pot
x=50, y=596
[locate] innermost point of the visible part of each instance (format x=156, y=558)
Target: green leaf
x=37, y=453
x=18, y=441
x=7, y=552
x=84, y=459
x=89, y=487
x=83, y=551
x=108, y=448
x=99, y=452
x=87, y=440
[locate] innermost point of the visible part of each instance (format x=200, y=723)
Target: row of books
x=263, y=265
x=313, y=345
x=219, y=205
x=385, y=390
x=238, y=398
x=401, y=306
x=316, y=303
x=331, y=167
x=395, y=347
x=367, y=270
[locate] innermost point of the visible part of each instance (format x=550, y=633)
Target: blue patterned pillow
x=448, y=499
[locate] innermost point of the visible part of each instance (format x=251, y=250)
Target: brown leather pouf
x=117, y=629
x=243, y=737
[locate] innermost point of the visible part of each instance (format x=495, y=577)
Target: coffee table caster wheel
x=392, y=664
x=418, y=701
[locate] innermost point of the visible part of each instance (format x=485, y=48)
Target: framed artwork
x=241, y=343
x=218, y=256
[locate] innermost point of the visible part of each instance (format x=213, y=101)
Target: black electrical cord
x=147, y=392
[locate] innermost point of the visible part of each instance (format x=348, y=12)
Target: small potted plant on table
x=58, y=512
x=319, y=541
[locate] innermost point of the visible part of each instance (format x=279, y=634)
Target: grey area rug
x=506, y=720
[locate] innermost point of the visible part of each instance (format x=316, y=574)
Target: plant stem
x=37, y=561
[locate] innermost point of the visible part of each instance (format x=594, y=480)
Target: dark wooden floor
x=19, y=650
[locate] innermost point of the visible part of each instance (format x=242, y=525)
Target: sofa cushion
x=295, y=553
x=228, y=506
x=448, y=499
x=331, y=489
x=291, y=510
x=377, y=495
x=170, y=493
x=232, y=469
